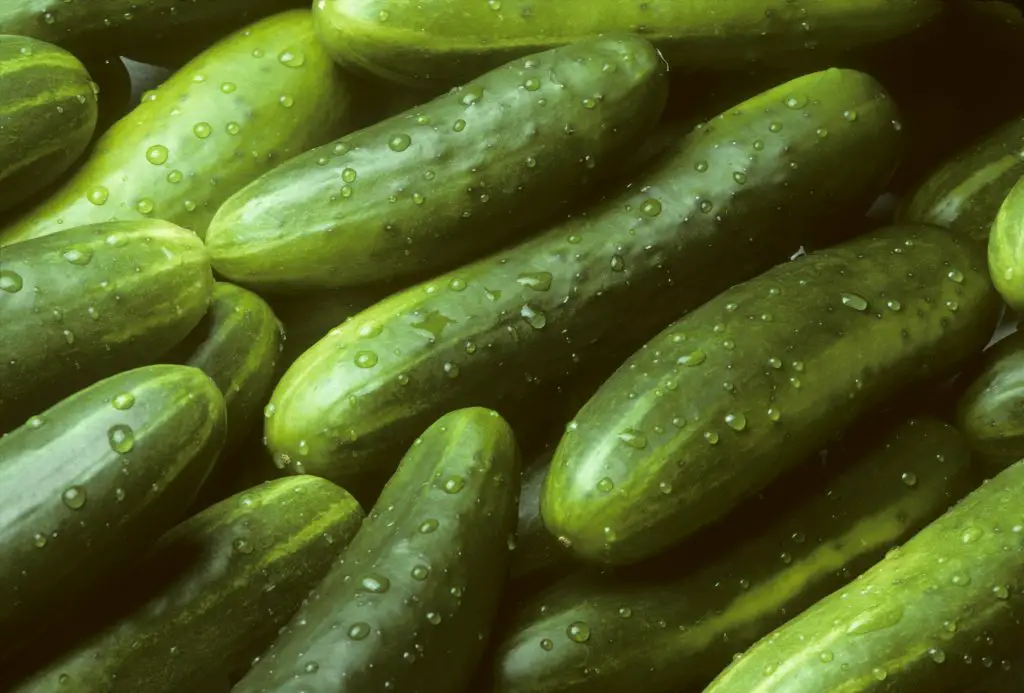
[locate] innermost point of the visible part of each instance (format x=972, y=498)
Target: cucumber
x=253, y=100
x=711, y=211
x=755, y=380
x=212, y=592
x=409, y=605
x=412, y=41
x=965, y=192
x=47, y=117
x=93, y=480
x=1006, y=245
x=505, y=152
x=85, y=303
x=536, y=551
x=934, y=616
x=673, y=625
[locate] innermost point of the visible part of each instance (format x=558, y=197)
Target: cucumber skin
x=939, y=598
x=47, y=119
x=673, y=626
x=676, y=433
x=1005, y=251
x=211, y=169
x=117, y=318
x=331, y=417
x=240, y=570
x=412, y=41
x=177, y=421
x=421, y=634
x=521, y=155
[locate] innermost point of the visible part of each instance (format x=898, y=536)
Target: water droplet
x=359, y=631
x=269, y=410
x=650, y=208
x=736, y=422
x=909, y=478
x=157, y=154
x=1001, y=592
x=377, y=584
x=228, y=87
x=633, y=438
x=971, y=535
x=73, y=497
x=578, y=631
x=825, y=656
x=796, y=101
x=98, y=195
x=119, y=494
x=694, y=358
x=605, y=485
x=879, y=674
x=937, y=655
x=711, y=437
x=533, y=317
x=546, y=644
x=451, y=369
x=233, y=128
x=956, y=276
x=531, y=84
x=39, y=540
x=874, y=619
x=854, y=301
x=433, y=618
x=121, y=438
x=420, y=572
x=953, y=306
x=399, y=142
x=124, y=401
x=243, y=546
x=775, y=127
x=428, y=526
x=78, y=255
x=10, y=281
x=292, y=58
x=538, y=281
x=625, y=611
x=785, y=557
x=822, y=133
x=202, y=130
x=145, y=206
x=850, y=115
x=894, y=305
x=961, y=580
x=706, y=206
x=459, y=125
x=366, y=359
x=36, y=422
x=454, y=484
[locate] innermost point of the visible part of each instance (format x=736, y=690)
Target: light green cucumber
x=1006, y=246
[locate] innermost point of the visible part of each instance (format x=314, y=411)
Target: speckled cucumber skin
x=409, y=605
x=240, y=570
x=85, y=303
x=47, y=116
x=674, y=624
x=505, y=152
x=755, y=380
x=250, y=102
x=411, y=41
x=1006, y=244
x=940, y=614
x=710, y=213
x=94, y=479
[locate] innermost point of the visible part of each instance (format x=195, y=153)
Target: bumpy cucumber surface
x=94, y=479
x=253, y=100
x=82, y=304
x=714, y=210
x=504, y=153
x=674, y=624
x=1006, y=245
x=212, y=592
x=409, y=605
x=938, y=614
x=755, y=380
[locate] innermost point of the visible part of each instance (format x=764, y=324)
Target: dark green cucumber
x=47, y=117
x=936, y=615
x=88, y=302
x=96, y=478
x=253, y=100
x=505, y=152
x=1006, y=245
x=409, y=605
x=672, y=626
x=113, y=90
x=964, y=193
x=536, y=549
x=412, y=41
x=755, y=380
x=713, y=210
x=212, y=593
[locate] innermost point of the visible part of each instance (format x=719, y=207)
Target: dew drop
x=157, y=154
x=10, y=281
x=292, y=58
x=428, y=526
x=633, y=438
x=243, y=546
x=80, y=256
x=378, y=584
x=533, y=317
x=366, y=359
x=420, y=573
x=854, y=301
x=399, y=142
x=909, y=478
x=739, y=177
x=121, y=438
x=98, y=195
x=736, y=422
x=956, y=276
x=359, y=631
x=202, y=130
x=650, y=208
x=694, y=358
x=546, y=644
x=433, y=618
x=124, y=401
x=74, y=497
x=578, y=631
x=454, y=484
x=711, y=437
x=605, y=485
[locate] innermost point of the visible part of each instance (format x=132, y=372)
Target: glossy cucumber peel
x=755, y=380
x=673, y=625
x=47, y=117
x=94, y=479
x=936, y=615
x=214, y=590
x=445, y=182
x=253, y=100
x=1006, y=245
x=412, y=41
x=710, y=213
x=82, y=304
x=409, y=605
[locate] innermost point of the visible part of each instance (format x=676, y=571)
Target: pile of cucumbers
x=511, y=346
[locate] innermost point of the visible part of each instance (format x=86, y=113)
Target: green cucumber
x=409, y=605
x=96, y=478
x=47, y=117
x=253, y=100
x=965, y=192
x=412, y=41
x=1006, y=245
x=936, y=615
x=212, y=592
x=537, y=551
x=82, y=304
x=752, y=382
x=713, y=210
x=670, y=626
x=507, y=152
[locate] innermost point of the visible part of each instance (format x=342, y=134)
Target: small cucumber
x=409, y=605
x=755, y=380
x=1006, y=245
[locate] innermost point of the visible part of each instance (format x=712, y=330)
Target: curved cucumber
x=669, y=627
x=96, y=478
x=253, y=100
x=712, y=211
x=82, y=304
x=214, y=591
x=1006, y=245
x=504, y=152
x=410, y=604
x=755, y=380
x=935, y=615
